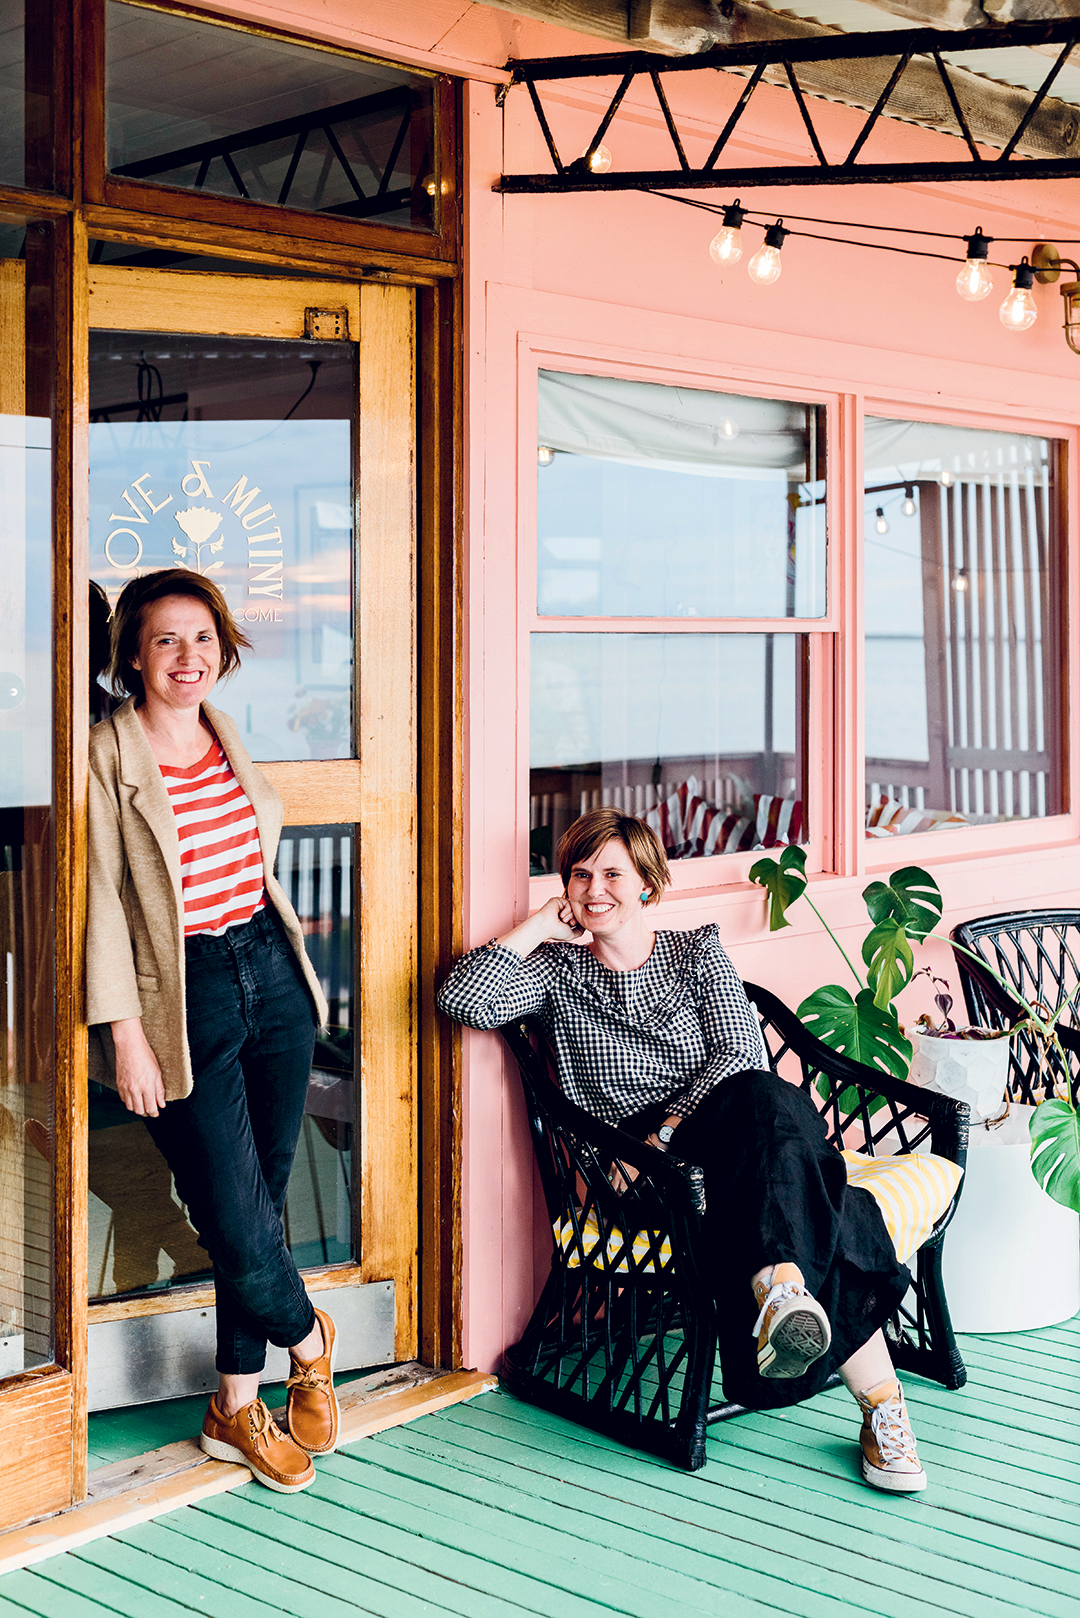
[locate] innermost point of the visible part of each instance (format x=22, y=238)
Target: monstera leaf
x=1055, y=1151
x=784, y=882
x=889, y=960
x=911, y=897
x=857, y=1029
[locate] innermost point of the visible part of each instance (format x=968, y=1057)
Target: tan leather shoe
x=253, y=1438
x=312, y=1408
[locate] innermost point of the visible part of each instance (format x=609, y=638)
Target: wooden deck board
x=494, y=1509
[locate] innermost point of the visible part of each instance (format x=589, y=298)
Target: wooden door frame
x=51, y=1402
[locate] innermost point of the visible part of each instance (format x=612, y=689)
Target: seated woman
x=653, y=1032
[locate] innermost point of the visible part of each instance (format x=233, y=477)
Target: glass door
x=259, y=430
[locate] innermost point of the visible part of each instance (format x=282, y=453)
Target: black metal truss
x=902, y=44
x=331, y=122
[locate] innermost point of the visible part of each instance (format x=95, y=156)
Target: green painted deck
x=492, y=1509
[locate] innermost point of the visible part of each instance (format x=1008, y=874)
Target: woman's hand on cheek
x=563, y=928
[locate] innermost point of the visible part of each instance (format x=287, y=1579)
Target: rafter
x=693, y=26
x=894, y=56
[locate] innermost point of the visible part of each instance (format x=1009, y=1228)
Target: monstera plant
x=866, y=1027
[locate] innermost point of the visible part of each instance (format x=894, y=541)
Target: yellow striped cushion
x=912, y=1192
x=616, y=1247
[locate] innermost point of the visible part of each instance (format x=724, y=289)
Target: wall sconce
x=1046, y=262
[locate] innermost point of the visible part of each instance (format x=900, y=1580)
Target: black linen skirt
x=776, y=1192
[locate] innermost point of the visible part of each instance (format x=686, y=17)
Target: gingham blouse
x=667, y=1032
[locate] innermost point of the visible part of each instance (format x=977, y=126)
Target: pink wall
x=624, y=284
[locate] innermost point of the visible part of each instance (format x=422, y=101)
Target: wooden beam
x=992, y=110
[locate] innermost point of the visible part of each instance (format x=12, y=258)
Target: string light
x=975, y=281
x=1018, y=312
x=766, y=265
x=908, y=508
x=726, y=245
x=544, y=455
x=597, y=161
x=881, y=525
x=946, y=479
x=960, y=583
x=729, y=428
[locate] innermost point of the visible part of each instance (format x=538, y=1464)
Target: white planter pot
x=971, y=1070
x=1012, y=1254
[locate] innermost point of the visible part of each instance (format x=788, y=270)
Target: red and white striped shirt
x=221, y=860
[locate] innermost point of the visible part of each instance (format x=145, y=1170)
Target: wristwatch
x=665, y=1132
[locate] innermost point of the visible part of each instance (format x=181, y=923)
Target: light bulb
x=1018, y=312
x=881, y=525
x=765, y=266
x=726, y=245
x=544, y=455
x=429, y=184
x=599, y=161
x=729, y=428
x=960, y=583
x=946, y=479
x=909, y=508
x=975, y=281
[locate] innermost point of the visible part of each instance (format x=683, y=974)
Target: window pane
x=700, y=735
x=28, y=130
x=139, y=1236
x=673, y=502
x=27, y=875
x=183, y=473
x=206, y=108
x=962, y=711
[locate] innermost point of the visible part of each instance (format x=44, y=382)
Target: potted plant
x=866, y=1026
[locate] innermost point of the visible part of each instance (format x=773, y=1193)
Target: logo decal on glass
x=265, y=510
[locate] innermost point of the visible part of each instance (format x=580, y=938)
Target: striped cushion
x=912, y=1191
x=616, y=1247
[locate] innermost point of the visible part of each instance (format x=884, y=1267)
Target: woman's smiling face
x=605, y=891
x=179, y=653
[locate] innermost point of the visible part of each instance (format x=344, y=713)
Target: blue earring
x=645, y=895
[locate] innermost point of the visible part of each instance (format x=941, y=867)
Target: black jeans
x=776, y=1192
x=231, y=1143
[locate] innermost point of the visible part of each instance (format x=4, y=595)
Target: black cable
x=850, y=224
x=314, y=364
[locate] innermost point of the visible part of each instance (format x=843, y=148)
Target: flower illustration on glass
x=198, y=524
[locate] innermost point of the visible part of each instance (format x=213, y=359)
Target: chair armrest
x=671, y=1177
x=947, y=1119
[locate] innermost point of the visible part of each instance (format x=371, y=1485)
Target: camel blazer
x=135, y=904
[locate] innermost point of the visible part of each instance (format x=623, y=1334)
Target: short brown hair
x=588, y=835
x=127, y=623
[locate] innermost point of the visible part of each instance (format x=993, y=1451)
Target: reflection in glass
x=962, y=715
x=27, y=124
x=209, y=108
x=26, y=883
x=699, y=735
x=233, y=456
x=655, y=501
x=139, y=1235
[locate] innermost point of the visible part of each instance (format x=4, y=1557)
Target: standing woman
x=202, y=1003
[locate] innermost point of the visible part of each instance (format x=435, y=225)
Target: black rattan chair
x=623, y=1338
x=1038, y=952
